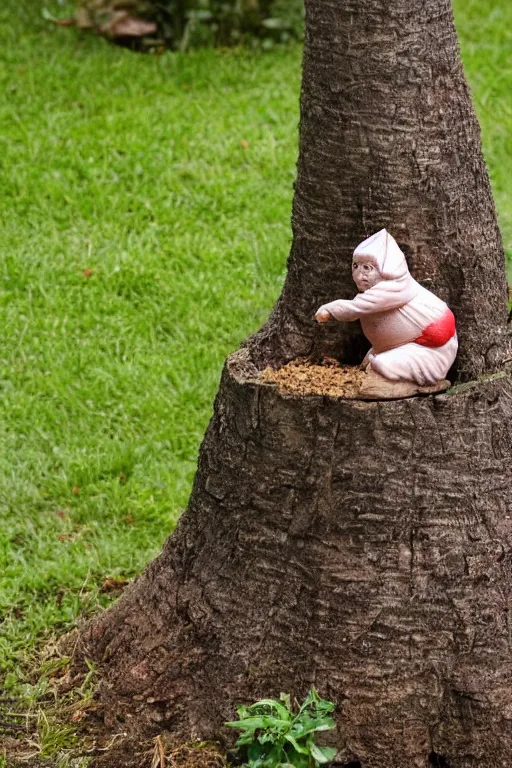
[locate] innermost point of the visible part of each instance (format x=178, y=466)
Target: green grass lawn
x=144, y=231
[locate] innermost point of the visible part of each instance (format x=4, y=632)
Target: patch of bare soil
x=303, y=377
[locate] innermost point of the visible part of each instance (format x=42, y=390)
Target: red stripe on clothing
x=439, y=332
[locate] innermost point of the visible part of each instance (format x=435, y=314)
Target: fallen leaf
x=244, y=144
x=111, y=584
x=77, y=716
x=159, y=754
x=123, y=25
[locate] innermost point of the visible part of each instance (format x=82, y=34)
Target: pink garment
x=394, y=313
x=414, y=362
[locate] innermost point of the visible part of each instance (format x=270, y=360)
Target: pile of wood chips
x=303, y=377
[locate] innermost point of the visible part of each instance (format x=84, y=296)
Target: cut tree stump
x=361, y=547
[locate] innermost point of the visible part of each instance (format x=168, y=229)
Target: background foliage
x=188, y=23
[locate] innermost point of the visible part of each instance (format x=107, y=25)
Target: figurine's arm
x=367, y=303
x=339, y=310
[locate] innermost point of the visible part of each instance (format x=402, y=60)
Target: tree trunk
x=361, y=547
x=389, y=139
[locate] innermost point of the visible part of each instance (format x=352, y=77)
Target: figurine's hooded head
x=383, y=251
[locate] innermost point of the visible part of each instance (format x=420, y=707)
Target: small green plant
x=53, y=737
x=277, y=737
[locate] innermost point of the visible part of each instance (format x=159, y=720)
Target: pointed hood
x=397, y=286
x=383, y=250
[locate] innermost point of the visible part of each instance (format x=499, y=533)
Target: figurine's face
x=365, y=274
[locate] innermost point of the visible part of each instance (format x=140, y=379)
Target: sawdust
x=303, y=377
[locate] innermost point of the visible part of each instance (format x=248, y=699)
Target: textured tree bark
x=389, y=139
x=361, y=547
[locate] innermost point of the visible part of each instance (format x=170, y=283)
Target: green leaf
x=315, y=705
x=245, y=739
x=256, y=753
x=273, y=704
x=318, y=724
x=321, y=754
x=300, y=761
x=253, y=722
x=235, y=724
x=311, y=698
x=271, y=737
x=298, y=747
x=285, y=698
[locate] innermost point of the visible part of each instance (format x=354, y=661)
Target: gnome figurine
x=412, y=332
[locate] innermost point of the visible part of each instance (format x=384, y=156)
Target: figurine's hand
x=322, y=316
